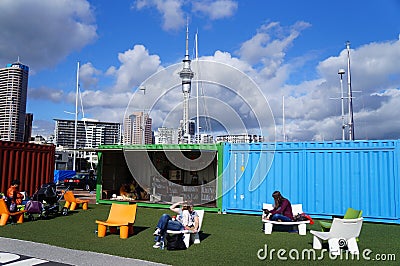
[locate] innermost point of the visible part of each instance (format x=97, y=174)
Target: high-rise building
x=28, y=127
x=137, y=129
x=13, y=91
x=89, y=134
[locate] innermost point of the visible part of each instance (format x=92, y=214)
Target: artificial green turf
x=226, y=239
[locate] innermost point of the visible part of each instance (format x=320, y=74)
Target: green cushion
x=352, y=214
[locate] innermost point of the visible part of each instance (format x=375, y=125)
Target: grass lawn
x=226, y=239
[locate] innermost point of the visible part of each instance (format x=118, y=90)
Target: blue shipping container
x=326, y=177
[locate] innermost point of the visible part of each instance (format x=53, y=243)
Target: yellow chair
x=122, y=216
x=5, y=214
x=71, y=202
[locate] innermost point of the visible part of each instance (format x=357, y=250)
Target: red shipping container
x=31, y=164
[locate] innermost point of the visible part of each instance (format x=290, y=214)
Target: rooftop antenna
x=350, y=95
x=341, y=72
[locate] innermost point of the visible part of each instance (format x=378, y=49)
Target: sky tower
x=186, y=75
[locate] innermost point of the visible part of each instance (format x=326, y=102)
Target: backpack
x=303, y=217
x=175, y=242
x=34, y=206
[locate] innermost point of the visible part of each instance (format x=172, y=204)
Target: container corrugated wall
x=31, y=164
x=326, y=177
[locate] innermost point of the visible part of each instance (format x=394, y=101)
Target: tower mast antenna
x=186, y=75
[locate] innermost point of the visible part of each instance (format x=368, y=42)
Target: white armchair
x=343, y=233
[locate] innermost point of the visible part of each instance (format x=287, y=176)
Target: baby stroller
x=45, y=202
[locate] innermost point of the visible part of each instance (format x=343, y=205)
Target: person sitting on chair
x=187, y=219
x=14, y=196
x=282, y=210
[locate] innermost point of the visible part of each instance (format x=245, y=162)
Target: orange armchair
x=5, y=214
x=122, y=216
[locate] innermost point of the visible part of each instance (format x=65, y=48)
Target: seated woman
x=187, y=219
x=282, y=210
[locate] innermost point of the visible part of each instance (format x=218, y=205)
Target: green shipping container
x=166, y=173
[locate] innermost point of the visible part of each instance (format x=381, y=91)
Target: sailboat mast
x=76, y=116
x=197, y=90
x=350, y=95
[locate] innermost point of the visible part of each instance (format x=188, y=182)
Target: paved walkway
x=15, y=252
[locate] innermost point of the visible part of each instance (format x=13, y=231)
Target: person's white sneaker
x=157, y=232
x=157, y=245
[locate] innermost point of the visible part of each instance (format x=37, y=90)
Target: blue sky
x=289, y=48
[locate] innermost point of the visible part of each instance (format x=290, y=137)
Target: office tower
x=13, y=90
x=137, y=129
x=90, y=133
x=28, y=127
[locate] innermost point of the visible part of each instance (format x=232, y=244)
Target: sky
x=290, y=50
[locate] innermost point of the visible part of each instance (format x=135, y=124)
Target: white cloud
x=89, y=76
x=215, y=9
x=171, y=11
x=136, y=65
x=42, y=93
x=174, y=16
x=268, y=46
x=37, y=30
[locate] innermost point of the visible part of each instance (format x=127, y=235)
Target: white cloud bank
x=173, y=16
x=310, y=112
x=44, y=32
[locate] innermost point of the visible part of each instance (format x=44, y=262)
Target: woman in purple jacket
x=282, y=210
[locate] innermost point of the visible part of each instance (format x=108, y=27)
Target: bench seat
x=296, y=209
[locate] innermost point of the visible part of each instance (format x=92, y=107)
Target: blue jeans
x=166, y=223
x=281, y=217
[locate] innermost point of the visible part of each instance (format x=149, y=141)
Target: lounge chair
x=296, y=209
x=187, y=234
x=343, y=233
x=122, y=216
x=71, y=202
x=6, y=214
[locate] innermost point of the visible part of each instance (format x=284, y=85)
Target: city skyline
x=289, y=49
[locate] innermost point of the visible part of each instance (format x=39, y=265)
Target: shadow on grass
x=139, y=229
x=136, y=231
x=203, y=235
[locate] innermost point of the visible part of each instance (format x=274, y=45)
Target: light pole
x=144, y=120
x=341, y=72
